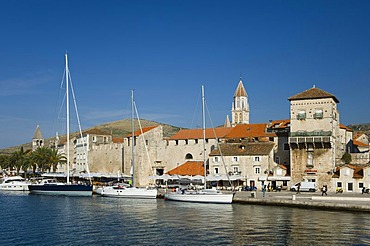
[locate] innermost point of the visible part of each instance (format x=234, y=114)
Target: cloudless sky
x=165, y=51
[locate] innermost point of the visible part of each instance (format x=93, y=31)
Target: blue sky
x=165, y=51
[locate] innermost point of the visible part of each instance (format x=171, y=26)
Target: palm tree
x=19, y=160
x=41, y=159
x=56, y=158
x=5, y=162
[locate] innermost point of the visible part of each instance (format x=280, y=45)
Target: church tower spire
x=240, y=106
x=37, y=140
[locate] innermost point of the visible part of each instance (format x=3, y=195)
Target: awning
x=279, y=178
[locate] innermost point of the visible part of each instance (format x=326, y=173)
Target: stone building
x=314, y=130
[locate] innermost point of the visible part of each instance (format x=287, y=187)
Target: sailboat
x=204, y=195
x=130, y=191
x=49, y=187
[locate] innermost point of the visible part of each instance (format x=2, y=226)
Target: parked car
x=304, y=186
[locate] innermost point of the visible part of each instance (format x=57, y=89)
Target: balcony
x=310, y=134
x=315, y=138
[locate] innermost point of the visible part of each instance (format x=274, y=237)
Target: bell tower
x=240, y=106
x=37, y=140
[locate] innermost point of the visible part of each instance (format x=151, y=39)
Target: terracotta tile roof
x=345, y=127
x=243, y=149
x=313, y=93
x=360, y=144
x=191, y=168
x=249, y=131
x=282, y=166
x=280, y=124
x=198, y=133
x=117, y=140
x=143, y=130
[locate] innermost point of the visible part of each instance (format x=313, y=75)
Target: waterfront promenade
x=341, y=202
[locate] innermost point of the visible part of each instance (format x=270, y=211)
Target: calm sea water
x=53, y=220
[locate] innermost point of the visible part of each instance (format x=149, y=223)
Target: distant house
x=249, y=163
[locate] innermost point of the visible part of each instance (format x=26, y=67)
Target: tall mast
x=133, y=137
x=204, y=139
x=67, y=108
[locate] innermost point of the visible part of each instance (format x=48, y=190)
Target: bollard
x=293, y=198
x=253, y=194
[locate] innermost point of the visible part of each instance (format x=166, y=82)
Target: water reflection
x=47, y=220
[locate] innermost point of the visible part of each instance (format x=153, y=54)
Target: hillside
x=118, y=128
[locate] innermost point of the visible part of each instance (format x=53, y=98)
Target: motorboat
x=14, y=183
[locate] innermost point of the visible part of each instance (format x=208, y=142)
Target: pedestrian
x=324, y=190
x=363, y=190
x=298, y=187
x=268, y=187
x=264, y=190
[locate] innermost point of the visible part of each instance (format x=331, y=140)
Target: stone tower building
x=240, y=106
x=314, y=127
x=37, y=140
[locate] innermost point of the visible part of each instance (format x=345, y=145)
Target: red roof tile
x=345, y=127
x=191, y=168
x=143, y=130
x=249, y=131
x=360, y=144
x=211, y=133
x=117, y=140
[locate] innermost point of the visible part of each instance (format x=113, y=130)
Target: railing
x=310, y=134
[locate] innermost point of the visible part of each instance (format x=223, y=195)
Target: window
x=216, y=170
x=350, y=186
x=235, y=169
x=277, y=159
x=186, y=141
x=301, y=115
x=216, y=159
x=189, y=156
x=318, y=114
x=360, y=185
x=257, y=170
x=235, y=159
x=339, y=184
x=256, y=158
x=310, y=159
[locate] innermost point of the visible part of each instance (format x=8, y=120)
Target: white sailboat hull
x=199, y=197
x=128, y=192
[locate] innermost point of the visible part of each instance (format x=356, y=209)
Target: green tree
x=20, y=159
x=41, y=159
x=5, y=162
x=346, y=158
x=55, y=158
